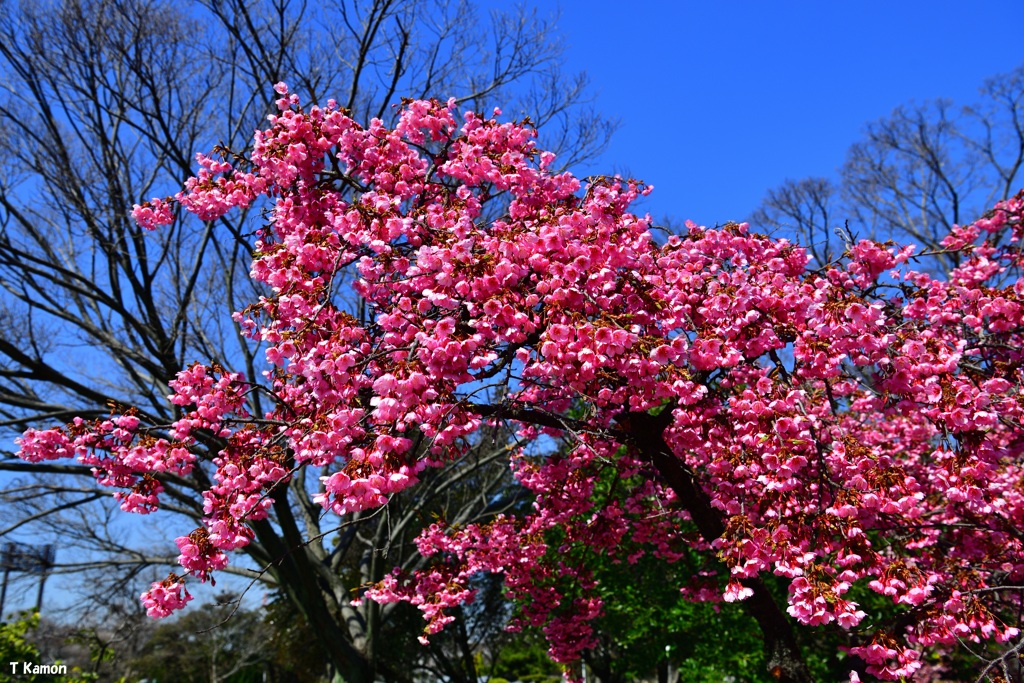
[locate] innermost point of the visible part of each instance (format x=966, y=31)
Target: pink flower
x=154, y=213
x=165, y=597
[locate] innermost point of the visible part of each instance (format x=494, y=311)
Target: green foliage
x=523, y=657
x=648, y=622
x=13, y=646
x=17, y=648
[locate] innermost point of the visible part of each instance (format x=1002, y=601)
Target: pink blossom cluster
x=854, y=428
x=120, y=453
x=154, y=213
x=212, y=394
x=197, y=555
x=166, y=597
x=217, y=188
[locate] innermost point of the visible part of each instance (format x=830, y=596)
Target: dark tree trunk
x=299, y=581
x=785, y=661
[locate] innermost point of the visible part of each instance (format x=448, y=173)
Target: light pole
x=31, y=559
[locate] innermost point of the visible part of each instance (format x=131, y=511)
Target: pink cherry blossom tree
x=851, y=429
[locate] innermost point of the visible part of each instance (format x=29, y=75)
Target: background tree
x=213, y=645
x=807, y=208
x=915, y=174
x=104, y=103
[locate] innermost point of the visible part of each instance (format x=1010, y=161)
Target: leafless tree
x=915, y=174
x=913, y=177
x=996, y=137
x=103, y=104
x=803, y=208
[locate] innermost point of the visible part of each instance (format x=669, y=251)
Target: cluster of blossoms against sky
x=856, y=427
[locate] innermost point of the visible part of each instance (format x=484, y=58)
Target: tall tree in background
x=104, y=103
x=915, y=174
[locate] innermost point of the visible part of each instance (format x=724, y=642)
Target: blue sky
x=721, y=101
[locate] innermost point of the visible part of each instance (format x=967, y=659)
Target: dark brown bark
x=785, y=661
x=299, y=581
